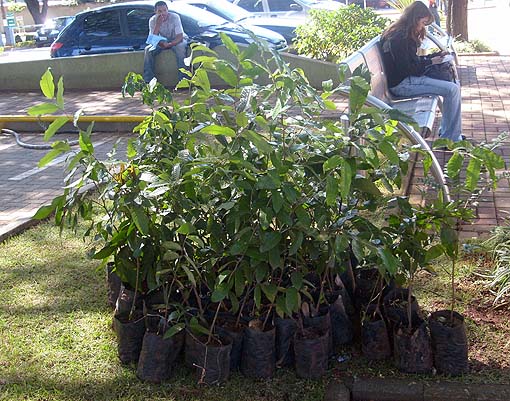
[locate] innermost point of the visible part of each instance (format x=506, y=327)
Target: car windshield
x=231, y=11
x=60, y=22
x=201, y=17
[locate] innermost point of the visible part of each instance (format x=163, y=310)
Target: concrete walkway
x=24, y=188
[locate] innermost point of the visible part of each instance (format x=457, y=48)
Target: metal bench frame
x=422, y=109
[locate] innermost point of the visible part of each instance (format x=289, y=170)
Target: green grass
x=56, y=341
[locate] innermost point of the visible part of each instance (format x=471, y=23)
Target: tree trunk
x=38, y=13
x=456, y=19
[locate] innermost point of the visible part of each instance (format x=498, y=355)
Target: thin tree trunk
x=456, y=20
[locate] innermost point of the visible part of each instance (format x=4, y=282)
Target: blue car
x=124, y=27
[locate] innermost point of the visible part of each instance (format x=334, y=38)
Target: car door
x=285, y=8
x=256, y=7
x=137, y=26
x=102, y=33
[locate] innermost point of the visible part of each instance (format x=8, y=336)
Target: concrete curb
x=481, y=54
x=407, y=390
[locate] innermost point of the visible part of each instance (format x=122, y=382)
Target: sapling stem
x=136, y=289
x=267, y=317
x=453, y=291
x=213, y=323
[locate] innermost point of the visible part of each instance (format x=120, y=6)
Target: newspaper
x=153, y=41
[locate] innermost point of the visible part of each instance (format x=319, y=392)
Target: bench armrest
x=414, y=137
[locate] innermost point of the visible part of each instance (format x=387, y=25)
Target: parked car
x=370, y=3
x=231, y=12
x=285, y=8
x=123, y=27
x=47, y=33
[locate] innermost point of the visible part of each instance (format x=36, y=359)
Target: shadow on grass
x=125, y=386
x=43, y=272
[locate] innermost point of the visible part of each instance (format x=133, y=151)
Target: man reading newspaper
x=165, y=32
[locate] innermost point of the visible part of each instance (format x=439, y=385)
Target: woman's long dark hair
x=408, y=22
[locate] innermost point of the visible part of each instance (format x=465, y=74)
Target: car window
x=251, y=5
x=138, y=21
x=103, y=24
x=284, y=5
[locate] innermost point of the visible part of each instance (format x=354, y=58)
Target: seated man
x=169, y=26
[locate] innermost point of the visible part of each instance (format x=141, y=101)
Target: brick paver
x=486, y=113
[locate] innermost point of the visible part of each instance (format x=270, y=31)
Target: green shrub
x=472, y=46
x=333, y=35
x=499, y=245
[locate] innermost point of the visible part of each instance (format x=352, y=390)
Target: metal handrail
x=414, y=137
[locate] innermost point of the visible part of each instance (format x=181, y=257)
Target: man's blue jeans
x=451, y=121
x=149, y=60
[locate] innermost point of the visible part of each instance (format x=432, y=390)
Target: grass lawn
x=56, y=341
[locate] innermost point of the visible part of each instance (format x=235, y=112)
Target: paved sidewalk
x=24, y=188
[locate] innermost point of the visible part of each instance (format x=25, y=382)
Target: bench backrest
x=370, y=56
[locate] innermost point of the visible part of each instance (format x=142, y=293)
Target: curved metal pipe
x=414, y=137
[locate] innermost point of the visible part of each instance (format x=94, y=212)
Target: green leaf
x=366, y=185
x=219, y=293
x=226, y=73
x=58, y=123
x=261, y=272
x=332, y=163
x=274, y=257
x=258, y=140
x=433, y=253
x=270, y=240
x=277, y=200
x=196, y=327
x=186, y=228
x=239, y=282
x=473, y=174
x=291, y=300
x=389, y=151
x=85, y=143
x=267, y=182
x=296, y=243
x=60, y=93
x=454, y=165
x=331, y=190
x=345, y=180
x=172, y=331
x=190, y=275
x=43, y=212
x=297, y=280
x=48, y=157
x=270, y=291
x=105, y=252
x=229, y=44
x=47, y=85
x=140, y=219
x=389, y=260
x=257, y=296
x=450, y=241
x=427, y=163
x=43, y=108
x=219, y=130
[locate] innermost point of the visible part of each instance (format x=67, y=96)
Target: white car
x=285, y=8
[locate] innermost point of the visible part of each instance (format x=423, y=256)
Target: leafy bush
x=499, y=245
x=333, y=35
x=472, y=46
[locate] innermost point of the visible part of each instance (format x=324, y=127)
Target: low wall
x=107, y=71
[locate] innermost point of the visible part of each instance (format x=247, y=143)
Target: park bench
x=421, y=109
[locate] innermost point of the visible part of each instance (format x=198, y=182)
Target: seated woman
x=405, y=70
